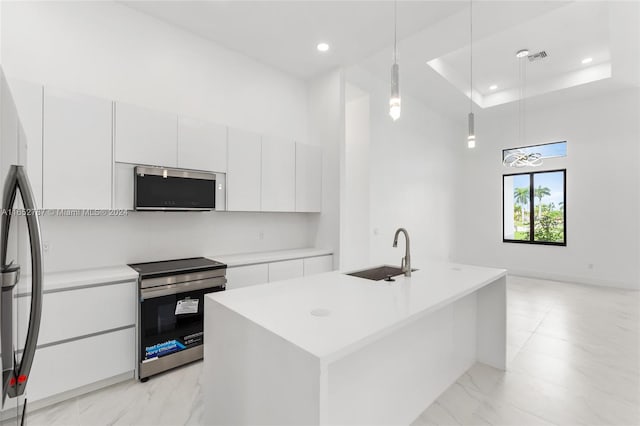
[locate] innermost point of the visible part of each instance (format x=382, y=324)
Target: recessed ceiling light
x=493, y=87
x=522, y=53
x=322, y=47
x=587, y=60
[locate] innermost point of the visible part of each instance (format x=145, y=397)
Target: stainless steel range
x=170, y=319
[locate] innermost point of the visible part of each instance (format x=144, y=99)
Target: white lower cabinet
x=244, y=276
x=66, y=366
x=70, y=314
x=318, y=265
x=285, y=270
x=87, y=335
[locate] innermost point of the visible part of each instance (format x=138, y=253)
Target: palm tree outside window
x=534, y=207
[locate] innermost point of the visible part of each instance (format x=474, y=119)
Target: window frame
x=531, y=239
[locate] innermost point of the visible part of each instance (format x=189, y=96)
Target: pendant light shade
x=394, y=101
x=471, y=139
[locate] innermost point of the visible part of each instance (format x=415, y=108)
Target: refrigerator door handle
x=14, y=375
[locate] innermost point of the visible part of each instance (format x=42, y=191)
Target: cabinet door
x=123, y=186
x=77, y=151
x=285, y=270
x=278, y=175
x=318, y=265
x=202, y=145
x=308, y=178
x=244, y=276
x=28, y=100
x=144, y=136
x=243, y=175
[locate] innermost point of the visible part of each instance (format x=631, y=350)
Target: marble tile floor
x=573, y=353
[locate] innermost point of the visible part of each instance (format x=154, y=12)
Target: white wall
x=85, y=242
x=411, y=172
x=355, y=228
x=106, y=49
x=326, y=114
x=603, y=180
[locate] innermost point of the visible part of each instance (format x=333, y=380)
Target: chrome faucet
x=405, y=265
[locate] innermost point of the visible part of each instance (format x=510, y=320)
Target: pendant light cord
x=521, y=102
x=470, y=55
x=395, y=31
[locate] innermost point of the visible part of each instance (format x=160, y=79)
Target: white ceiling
x=284, y=34
x=567, y=34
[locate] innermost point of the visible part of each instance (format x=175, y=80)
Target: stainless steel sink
x=379, y=273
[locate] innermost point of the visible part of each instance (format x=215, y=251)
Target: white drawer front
x=243, y=276
x=285, y=270
x=61, y=368
x=318, y=265
x=69, y=314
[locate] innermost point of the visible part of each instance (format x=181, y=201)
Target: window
x=534, y=154
x=534, y=209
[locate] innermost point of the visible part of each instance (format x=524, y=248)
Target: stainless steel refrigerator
x=18, y=349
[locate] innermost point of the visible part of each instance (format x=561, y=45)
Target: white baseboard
x=573, y=279
x=45, y=402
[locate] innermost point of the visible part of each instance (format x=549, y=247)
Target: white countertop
x=58, y=281
x=360, y=310
x=242, y=259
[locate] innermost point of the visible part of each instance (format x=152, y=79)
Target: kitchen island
x=337, y=349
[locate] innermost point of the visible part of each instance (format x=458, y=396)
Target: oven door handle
x=167, y=290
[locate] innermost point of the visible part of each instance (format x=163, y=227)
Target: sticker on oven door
x=162, y=349
x=187, y=306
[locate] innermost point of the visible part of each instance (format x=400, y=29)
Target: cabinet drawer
x=69, y=314
x=285, y=270
x=318, y=265
x=244, y=276
x=64, y=367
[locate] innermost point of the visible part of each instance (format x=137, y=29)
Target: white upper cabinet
x=144, y=136
x=77, y=148
x=244, y=171
x=308, y=178
x=278, y=175
x=28, y=101
x=202, y=145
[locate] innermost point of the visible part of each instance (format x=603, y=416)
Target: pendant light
x=471, y=138
x=394, y=101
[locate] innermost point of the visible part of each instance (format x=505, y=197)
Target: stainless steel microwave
x=166, y=189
